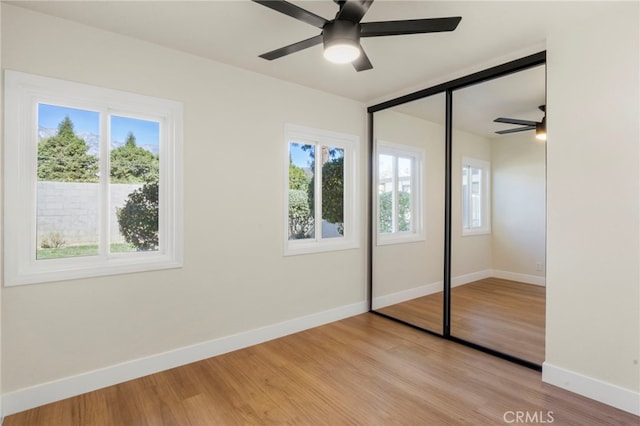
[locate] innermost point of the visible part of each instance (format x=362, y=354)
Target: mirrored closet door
x=498, y=214
x=408, y=212
x=458, y=178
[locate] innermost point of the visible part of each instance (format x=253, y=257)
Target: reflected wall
x=498, y=215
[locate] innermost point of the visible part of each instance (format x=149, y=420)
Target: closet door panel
x=498, y=215
x=408, y=212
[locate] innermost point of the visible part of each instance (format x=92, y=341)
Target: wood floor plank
x=364, y=370
x=503, y=315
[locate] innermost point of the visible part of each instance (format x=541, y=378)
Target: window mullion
x=413, y=196
x=318, y=192
x=480, y=198
x=394, y=195
x=467, y=196
x=103, y=214
x=470, y=197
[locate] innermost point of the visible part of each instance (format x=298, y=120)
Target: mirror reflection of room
x=498, y=215
x=409, y=212
x=498, y=212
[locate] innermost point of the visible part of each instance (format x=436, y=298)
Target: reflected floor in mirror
x=423, y=312
x=503, y=315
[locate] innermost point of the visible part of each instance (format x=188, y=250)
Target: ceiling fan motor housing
x=341, y=32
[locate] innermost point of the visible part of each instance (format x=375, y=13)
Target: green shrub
x=300, y=220
x=138, y=218
x=403, y=216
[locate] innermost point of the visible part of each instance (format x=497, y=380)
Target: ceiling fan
x=539, y=126
x=341, y=35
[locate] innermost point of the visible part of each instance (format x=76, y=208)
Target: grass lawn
x=75, y=251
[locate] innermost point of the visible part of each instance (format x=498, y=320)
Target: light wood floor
x=364, y=370
x=504, y=315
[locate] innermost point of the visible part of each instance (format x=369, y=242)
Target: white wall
x=593, y=254
x=235, y=277
x=518, y=204
x=470, y=253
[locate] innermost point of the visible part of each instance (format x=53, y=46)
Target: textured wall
x=71, y=209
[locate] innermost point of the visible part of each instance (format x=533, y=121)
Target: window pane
x=476, y=198
x=68, y=193
x=134, y=170
x=465, y=197
x=301, y=192
x=332, y=192
x=404, y=194
x=385, y=193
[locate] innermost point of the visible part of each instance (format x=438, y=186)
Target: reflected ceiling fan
x=539, y=126
x=341, y=35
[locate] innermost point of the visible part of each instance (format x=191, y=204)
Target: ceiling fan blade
x=292, y=48
x=294, y=11
x=362, y=63
x=519, y=129
x=354, y=10
x=410, y=26
x=515, y=121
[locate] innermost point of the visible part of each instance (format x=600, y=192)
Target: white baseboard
x=469, y=278
x=523, y=278
x=427, y=289
x=404, y=295
x=607, y=393
x=45, y=393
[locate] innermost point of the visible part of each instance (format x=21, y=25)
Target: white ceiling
x=236, y=32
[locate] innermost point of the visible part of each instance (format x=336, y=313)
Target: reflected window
x=399, y=193
x=475, y=197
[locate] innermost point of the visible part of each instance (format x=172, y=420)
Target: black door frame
x=448, y=88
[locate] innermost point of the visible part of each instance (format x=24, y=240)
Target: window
x=475, y=197
x=92, y=181
x=399, y=195
x=320, y=190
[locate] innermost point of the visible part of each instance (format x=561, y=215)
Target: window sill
x=298, y=247
x=383, y=240
x=475, y=232
x=81, y=268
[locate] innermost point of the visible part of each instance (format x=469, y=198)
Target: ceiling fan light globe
x=541, y=131
x=341, y=53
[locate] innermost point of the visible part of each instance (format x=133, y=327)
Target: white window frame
x=23, y=92
x=416, y=154
x=485, y=197
x=350, y=145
